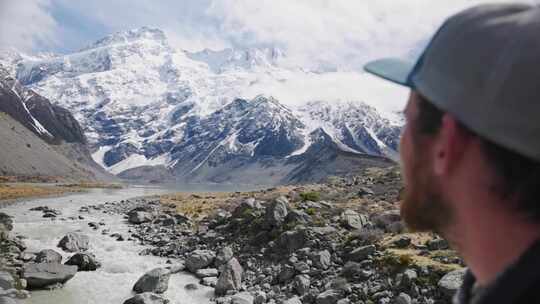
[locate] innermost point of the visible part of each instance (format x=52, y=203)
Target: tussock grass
x=15, y=191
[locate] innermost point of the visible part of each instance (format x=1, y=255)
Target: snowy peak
x=144, y=103
x=143, y=33
x=227, y=59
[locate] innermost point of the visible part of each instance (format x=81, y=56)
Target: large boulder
x=361, y=253
x=156, y=280
x=330, y=296
x=246, y=208
x=139, y=217
x=6, y=225
x=84, y=262
x=6, y=280
x=200, y=259
x=354, y=272
x=389, y=221
x=276, y=212
x=146, y=298
x=230, y=277
x=290, y=241
x=74, y=242
x=352, y=220
x=48, y=256
x=298, y=217
x=223, y=256
x=45, y=274
x=301, y=283
x=242, y=298
x=322, y=259
x=6, y=222
x=451, y=282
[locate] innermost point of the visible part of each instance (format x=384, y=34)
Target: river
x=121, y=264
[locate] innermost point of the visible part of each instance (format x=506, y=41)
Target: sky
x=333, y=34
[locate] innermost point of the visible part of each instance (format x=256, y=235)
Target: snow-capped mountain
x=39, y=138
x=147, y=107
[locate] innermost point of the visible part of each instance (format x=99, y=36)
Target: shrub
x=310, y=196
x=310, y=211
x=369, y=236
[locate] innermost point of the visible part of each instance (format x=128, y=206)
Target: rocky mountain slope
x=39, y=138
x=151, y=111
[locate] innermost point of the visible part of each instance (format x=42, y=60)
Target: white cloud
x=299, y=88
x=27, y=24
x=339, y=32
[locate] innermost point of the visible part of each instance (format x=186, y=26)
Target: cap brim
x=392, y=69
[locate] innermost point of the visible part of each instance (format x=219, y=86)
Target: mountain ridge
x=145, y=104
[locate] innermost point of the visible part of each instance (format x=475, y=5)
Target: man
x=470, y=148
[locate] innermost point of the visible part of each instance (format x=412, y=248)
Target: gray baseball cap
x=483, y=67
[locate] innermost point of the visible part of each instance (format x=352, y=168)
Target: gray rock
x=290, y=241
x=301, y=284
x=170, y=221
x=6, y=280
x=209, y=281
x=223, y=256
x=276, y=212
x=437, y=244
x=146, y=298
x=84, y=262
x=354, y=272
x=352, y=220
x=74, y=242
x=242, y=298
x=48, y=256
x=260, y=297
x=329, y=297
x=206, y=272
x=230, y=277
x=297, y=216
x=408, y=277
x=139, y=217
x=361, y=253
x=293, y=300
x=246, y=208
x=322, y=259
x=45, y=274
x=6, y=222
x=451, y=282
x=200, y=259
x=403, y=298
x=287, y=272
x=402, y=241
x=388, y=220
x=191, y=286
x=156, y=280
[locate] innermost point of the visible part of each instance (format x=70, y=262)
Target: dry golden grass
x=198, y=205
x=424, y=260
x=89, y=185
x=16, y=191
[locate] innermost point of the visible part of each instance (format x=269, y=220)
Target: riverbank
x=339, y=242
x=38, y=226
x=13, y=192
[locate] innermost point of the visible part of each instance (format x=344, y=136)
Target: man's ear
x=448, y=146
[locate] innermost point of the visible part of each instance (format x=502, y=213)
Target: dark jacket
x=519, y=283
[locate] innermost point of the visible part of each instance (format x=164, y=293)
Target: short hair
x=517, y=176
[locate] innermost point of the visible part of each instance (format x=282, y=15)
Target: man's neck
x=491, y=239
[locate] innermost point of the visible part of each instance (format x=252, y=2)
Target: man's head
x=473, y=127
x=437, y=152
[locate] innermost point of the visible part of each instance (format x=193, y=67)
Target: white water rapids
x=121, y=264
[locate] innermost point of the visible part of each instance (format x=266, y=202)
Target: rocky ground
x=338, y=242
